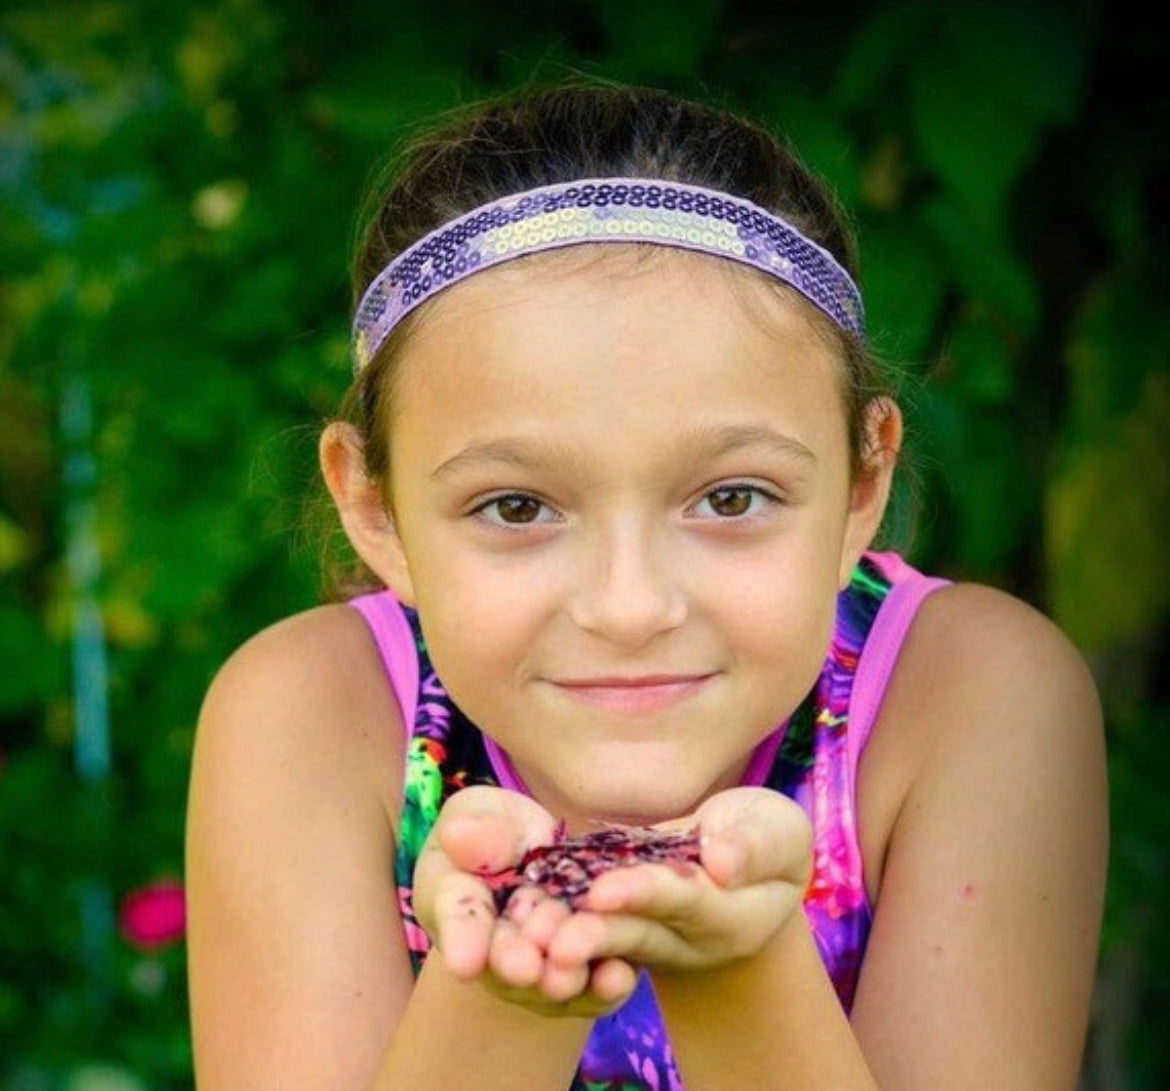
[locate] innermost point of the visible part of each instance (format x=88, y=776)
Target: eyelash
x=489, y=510
x=758, y=497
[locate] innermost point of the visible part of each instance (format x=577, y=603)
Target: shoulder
x=293, y=929
x=985, y=686
x=305, y=697
x=985, y=792
x=1015, y=697
x=987, y=652
x=311, y=646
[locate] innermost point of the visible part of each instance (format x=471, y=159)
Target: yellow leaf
x=128, y=625
x=14, y=545
x=1108, y=524
x=217, y=206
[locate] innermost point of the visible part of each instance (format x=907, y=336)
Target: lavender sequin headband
x=598, y=211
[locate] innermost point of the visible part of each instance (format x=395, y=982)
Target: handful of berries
x=566, y=868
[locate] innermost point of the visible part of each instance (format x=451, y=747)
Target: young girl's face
x=623, y=509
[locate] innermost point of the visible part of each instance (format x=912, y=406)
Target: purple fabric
x=603, y=210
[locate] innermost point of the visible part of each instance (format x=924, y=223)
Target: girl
x=614, y=460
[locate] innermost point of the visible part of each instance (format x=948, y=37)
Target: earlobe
x=362, y=508
x=871, y=488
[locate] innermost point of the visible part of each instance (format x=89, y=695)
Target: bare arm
x=297, y=970
x=986, y=934
x=299, y=976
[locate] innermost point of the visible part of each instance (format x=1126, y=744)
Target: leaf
x=42, y=662
x=878, y=52
x=998, y=75
x=986, y=271
x=902, y=286
x=982, y=364
x=650, y=37
x=995, y=488
x=15, y=545
x=1107, y=519
x=1120, y=337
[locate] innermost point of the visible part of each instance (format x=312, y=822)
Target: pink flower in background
x=155, y=915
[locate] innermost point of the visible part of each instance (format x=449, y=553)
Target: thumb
x=483, y=829
x=480, y=830
x=755, y=835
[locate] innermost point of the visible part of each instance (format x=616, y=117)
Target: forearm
x=456, y=1034
x=771, y=1021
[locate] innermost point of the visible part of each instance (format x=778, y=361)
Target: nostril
x=626, y=613
x=630, y=590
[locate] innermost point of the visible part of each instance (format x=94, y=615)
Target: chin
x=639, y=804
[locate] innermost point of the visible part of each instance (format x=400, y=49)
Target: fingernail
x=521, y=905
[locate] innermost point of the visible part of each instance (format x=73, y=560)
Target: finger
x=484, y=829
x=539, y=916
x=561, y=982
x=618, y=982
x=754, y=835
x=464, y=919
x=611, y=981
x=653, y=890
x=592, y=937
x=678, y=923
x=512, y=959
x=518, y=965
x=697, y=907
x=725, y=857
x=482, y=833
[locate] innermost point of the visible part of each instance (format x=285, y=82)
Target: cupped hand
x=483, y=830
x=756, y=851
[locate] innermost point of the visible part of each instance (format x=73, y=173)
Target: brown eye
x=515, y=509
x=732, y=501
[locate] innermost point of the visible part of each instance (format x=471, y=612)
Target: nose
x=628, y=591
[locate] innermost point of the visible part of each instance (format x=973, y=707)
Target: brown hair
x=580, y=130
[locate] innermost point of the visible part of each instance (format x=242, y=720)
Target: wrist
x=774, y=1012
x=786, y=949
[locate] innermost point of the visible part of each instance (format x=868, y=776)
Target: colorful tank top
x=812, y=758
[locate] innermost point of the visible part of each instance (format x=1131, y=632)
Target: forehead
x=651, y=323
x=604, y=274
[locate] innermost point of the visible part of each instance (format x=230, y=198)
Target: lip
x=643, y=694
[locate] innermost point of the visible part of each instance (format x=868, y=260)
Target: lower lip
x=645, y=699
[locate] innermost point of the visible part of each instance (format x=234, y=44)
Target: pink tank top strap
x=908, y=588
x=395, y=642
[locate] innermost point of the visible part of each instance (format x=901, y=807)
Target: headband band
x=600, y=211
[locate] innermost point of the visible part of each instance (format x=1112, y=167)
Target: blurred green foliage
x=179, y=185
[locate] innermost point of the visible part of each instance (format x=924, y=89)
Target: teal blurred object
x=91, y=676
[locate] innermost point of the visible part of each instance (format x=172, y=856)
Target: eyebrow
x=702, y=441
x=726, y=439
x=521, y=454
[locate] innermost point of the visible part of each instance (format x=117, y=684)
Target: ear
x=361, y=505
x=881, y=442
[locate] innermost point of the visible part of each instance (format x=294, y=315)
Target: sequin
x=603, y=210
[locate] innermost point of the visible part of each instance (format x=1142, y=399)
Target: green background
x=178, y=186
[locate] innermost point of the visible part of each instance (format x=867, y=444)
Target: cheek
x=480, y=632
x=781, y=612
x=793, y=626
